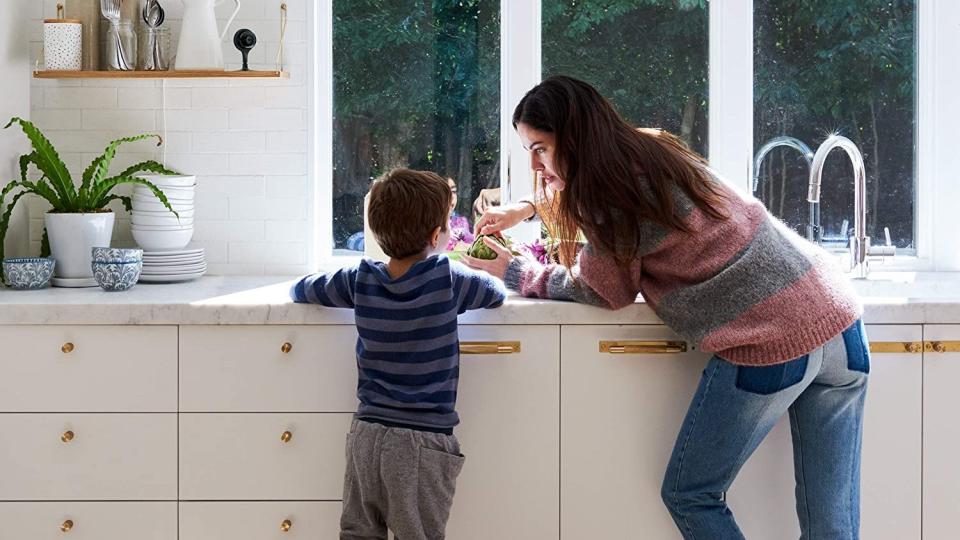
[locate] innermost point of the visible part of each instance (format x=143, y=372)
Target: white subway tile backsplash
x=268, y=119
x=49, y=120
x=72, y=97
x=283, y=142
x=247, y=164
x=132, y=120
x=230, y=231
x=286, y=231
x=195, y=120
x=286, y=186
x=287, y=209
x=199, y=164
x=230, y=142
x=247, y=208
x=222, y=187
x=234, y=98
x=268, y=252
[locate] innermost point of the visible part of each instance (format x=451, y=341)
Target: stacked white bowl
x=154, y=227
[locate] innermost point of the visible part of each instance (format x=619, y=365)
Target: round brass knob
x=286, y=525
x=67, y=348
x=286, y=436
x=913, y=347
x=67, y=436
x=939, y=347
x=66, y=525
x=286, y=347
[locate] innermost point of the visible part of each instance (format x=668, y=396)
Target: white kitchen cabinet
x=941, y=431
x=72, y=456
x=619, y=418
x=88, y=520
x=260, y=520
x=88, y=369
x=268, y=368
x=255, y=456
x=762, y=498
x=510, y=424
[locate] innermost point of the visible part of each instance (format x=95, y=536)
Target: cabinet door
x=260, y=520
x=88, y=457
x=763, y=497
x=88, y=520
x=88, y=369
x=619, y=416
x=509, y=431
x=281, y=456
x=268, y=369
x=941, y=431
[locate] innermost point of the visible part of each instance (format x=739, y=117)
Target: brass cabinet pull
x=286, y=347
x=653, y=346
x=66, y=526
x=489, y=347
x=911, y=347
x=941, y=346
x=67, y=436
x=286, y=436
x=286, y=525
x=67, y=348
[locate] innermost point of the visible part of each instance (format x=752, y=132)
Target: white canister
x=62, y=44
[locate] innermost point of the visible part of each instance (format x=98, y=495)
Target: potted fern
x=80, y=219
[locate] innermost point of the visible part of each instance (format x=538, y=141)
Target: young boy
x=402, y=457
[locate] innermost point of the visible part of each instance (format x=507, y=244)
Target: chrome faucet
x=859, y=245
x=813, y=221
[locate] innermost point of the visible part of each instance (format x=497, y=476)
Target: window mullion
x=520, y=71
x=320, y=188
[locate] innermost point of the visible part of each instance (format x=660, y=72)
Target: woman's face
x=453, y=189
x=542, y=148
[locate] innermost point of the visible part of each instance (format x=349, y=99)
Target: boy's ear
x=435, y=238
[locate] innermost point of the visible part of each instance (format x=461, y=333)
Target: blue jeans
x=733, y=410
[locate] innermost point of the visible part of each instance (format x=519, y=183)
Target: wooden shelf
x=161, y=74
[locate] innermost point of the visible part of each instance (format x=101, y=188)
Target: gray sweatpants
x=397, y=478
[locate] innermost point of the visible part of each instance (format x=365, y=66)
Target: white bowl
x=162, y=240
x=158, y=206
x=161, y=213
x=160, y=220
x=136, y=227
x=170, y=192
x=162, y=180
x=171, y=200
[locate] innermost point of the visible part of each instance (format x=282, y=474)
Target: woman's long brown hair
x=611, y=170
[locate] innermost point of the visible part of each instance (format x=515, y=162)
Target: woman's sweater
x=747, y=288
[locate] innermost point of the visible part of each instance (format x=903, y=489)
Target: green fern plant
x=57, y=187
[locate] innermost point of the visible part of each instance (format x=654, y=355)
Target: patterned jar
x=62, y=44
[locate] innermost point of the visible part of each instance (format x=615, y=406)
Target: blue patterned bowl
x=116, y=255
x=28, y=273
x=117, y=276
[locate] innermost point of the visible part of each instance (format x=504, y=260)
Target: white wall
x=245, y=140
x=14, y=101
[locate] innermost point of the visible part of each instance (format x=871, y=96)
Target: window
x=847, y=67
x=416, y=84
x=649, y=58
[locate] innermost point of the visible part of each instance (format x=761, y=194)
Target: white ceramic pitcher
x=199, y=46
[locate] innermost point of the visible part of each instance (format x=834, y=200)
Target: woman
x=782, y=322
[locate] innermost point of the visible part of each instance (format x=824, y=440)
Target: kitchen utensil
x=155, y=41
x=121, y=41
x=62, y=44
x=244, y=40
x=199, y=46
x=88, y=13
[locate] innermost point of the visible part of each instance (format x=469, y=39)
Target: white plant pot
x=72, y=236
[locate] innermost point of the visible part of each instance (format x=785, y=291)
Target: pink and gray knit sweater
x=747, y=289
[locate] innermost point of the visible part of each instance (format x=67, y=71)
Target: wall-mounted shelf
x=185, y=74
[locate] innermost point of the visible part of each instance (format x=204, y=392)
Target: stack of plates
x=172, y=266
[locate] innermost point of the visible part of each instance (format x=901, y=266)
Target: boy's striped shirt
x=408, y=356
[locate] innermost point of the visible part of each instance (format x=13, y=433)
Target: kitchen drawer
x=259, y=520
x=276, y=368
x=243, y=457
x=107, y=457
x=88, y=520
x=88, y=369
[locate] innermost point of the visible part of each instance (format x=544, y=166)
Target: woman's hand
x=498, y=218
x=495, y=267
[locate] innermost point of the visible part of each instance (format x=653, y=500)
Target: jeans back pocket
x=767, y=380
x=858, y=351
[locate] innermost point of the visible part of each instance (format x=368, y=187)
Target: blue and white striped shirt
x=408, y=350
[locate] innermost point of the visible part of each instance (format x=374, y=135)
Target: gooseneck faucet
x=859, y=246
x=813, y=221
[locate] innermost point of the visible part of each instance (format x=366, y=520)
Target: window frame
x=731, y=144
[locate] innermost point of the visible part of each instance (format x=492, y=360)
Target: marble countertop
x=901, y=298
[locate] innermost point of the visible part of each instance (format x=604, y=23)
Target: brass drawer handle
x=489, y=347
x=895, y=347
x=941, y=346
x=286, y=436
x=67, y=348
x=66, y=526
x=286, y=347
x=286, y=525
x=67, y=436
x=653, y=346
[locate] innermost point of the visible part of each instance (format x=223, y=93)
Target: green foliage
x=56, y=186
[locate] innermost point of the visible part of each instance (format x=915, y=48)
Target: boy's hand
x=495, y=267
